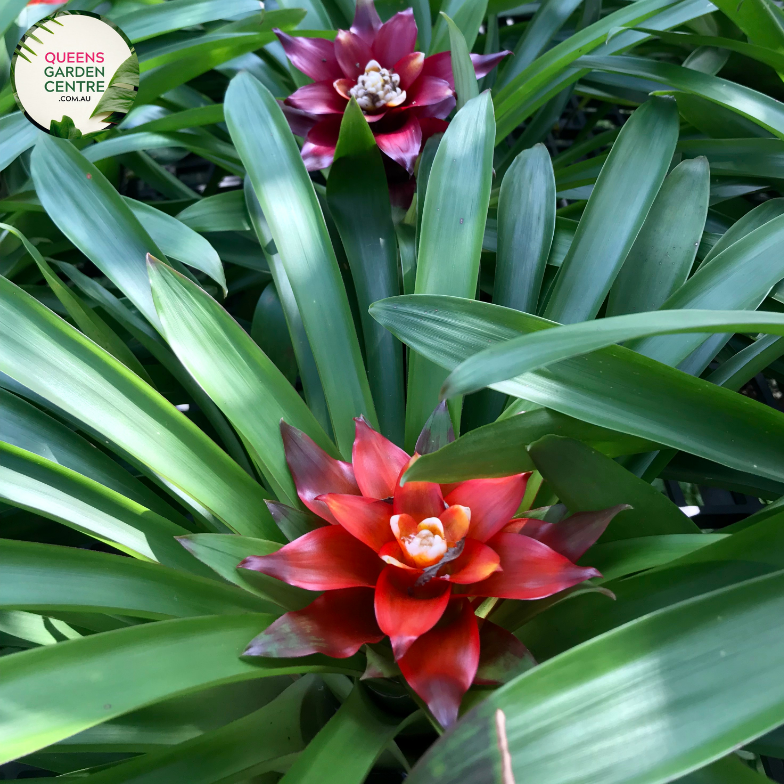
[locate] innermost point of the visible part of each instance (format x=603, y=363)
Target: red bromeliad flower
x=404, y=95
x=407, y=561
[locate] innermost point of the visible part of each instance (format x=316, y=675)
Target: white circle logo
x=74, y=73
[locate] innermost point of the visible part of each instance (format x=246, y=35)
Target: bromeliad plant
x=404, y=561
x=192, y=592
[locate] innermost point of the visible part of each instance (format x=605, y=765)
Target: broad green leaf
x=467, y=15
x=737, y=371
x=658, y=686
x=17, y=134
x=753, y=219
x=205, y=145
x=52, y=359
x=535, y=351
x=466, y=86
x=50, y=579
x=289, y=203
x=178, y=241
x=627, y=556
x=614, y=388
x=543, y=72
x=223, y=552
x=155, y=344
x=316, y=17
x=222, y=212
x=235, y=373
x=406, y=243
x=738, y=157
x=760, y=23
x=188, y=118
x=547, y=21
x=739, y=277
x=663, y=253
x=17, y=629
x=214, y=52
x=424, y=167
x=106, y=675
x=9, y=11
x=358, y=197
x=38, y=485
x=526, y=224
x=306, y=363
x=716, y=121
x=172, y=721
x=499, y=449
x=587, y=481
x=688, y=468
x=748, y=553
x=89, y=322
x=450, y=244
x=345, y=749
x=270, y=332
x=755, y=106
x=262, y=741
x=120, y=94
x=177, y=14
x=27, y=427
x=93, y=216
x=622, y=197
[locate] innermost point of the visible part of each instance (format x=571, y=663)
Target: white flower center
x=428, y=545
x=378, y=88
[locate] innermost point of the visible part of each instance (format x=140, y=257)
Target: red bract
x=403, y=561
x=404, y=95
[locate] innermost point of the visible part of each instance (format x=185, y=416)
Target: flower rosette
x=404, y=95
x=412, y=562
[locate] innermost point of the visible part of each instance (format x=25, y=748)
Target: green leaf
x=89, y=322
x=53, y=360
x=737, y=371
x=17, y=134
x=145, y=23
x=450, y=244
x=755, y=106
x=188, y=118
x=622, y=197
x=547, y=21
x=38, y=485
x=345, y=749
x=178, y=241
x=467, y=15
x=466, y=86
x=266, y=740
x=587, y=481
x=270, y=332
x=65, y=128
x=289, y=203
x=97, y=678
x=628, y=556
x=120, y=94
x=498, y=449
x=235, y=373
x=526, y=353
x=46, y=578
x=358, y=197
x=19, y=628
x=222, y=212
x=92, y=215
x=664, y=680
x=526, y=225
x=306, y=363
x=537, y=78
x=760, y=22
x=739, y=277
x=27, y=427
x=663, y=253
x=614, y=388
x=748, y=553
x=223, y=553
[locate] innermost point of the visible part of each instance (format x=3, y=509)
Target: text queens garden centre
x=74, y=78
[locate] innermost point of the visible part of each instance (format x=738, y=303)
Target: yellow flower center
x=427, y=545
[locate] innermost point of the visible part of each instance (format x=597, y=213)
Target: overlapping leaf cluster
x=140, y=402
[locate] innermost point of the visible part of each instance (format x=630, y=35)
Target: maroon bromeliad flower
x=404, y=95
x=412, y=562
